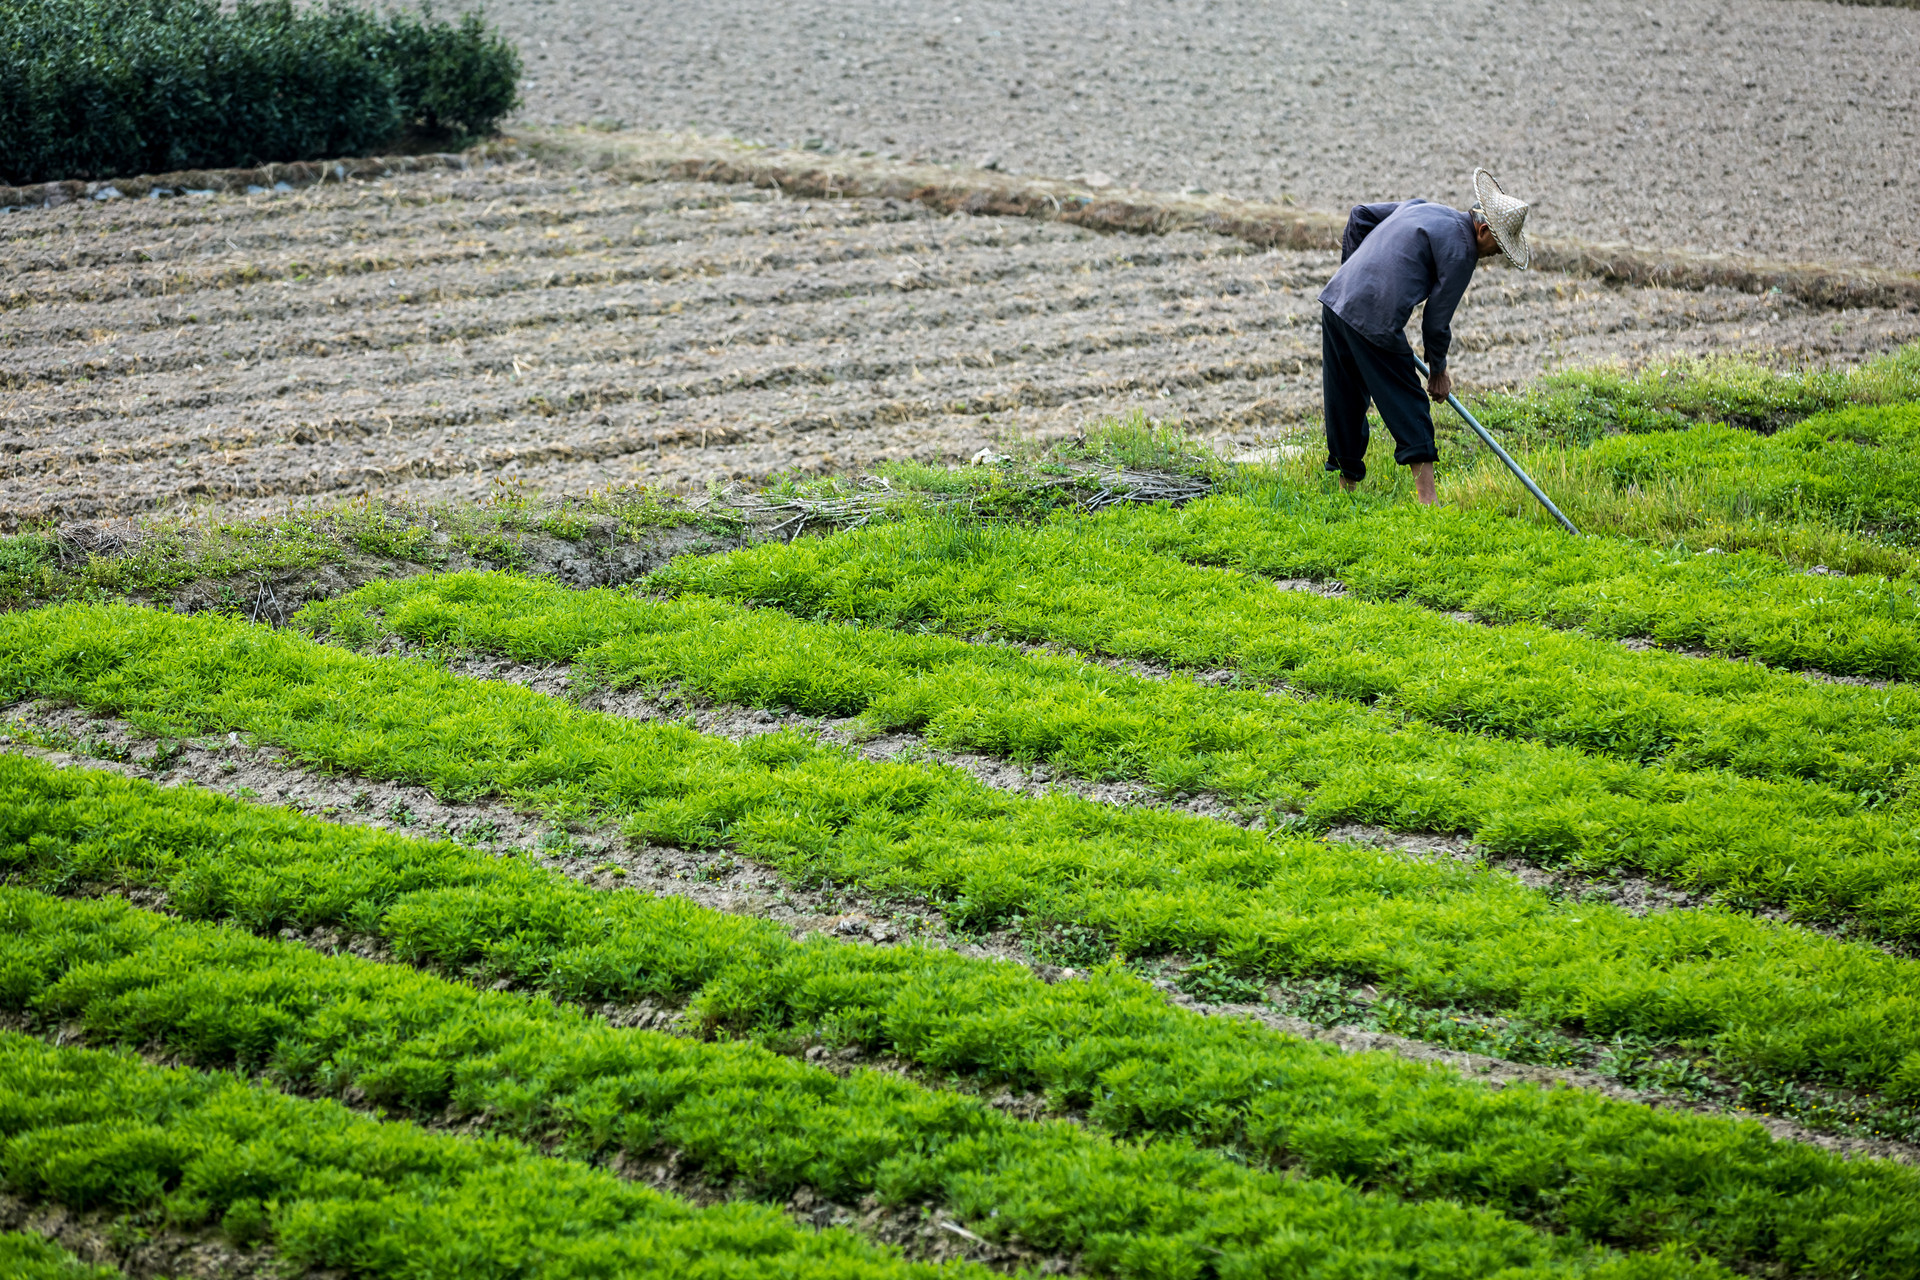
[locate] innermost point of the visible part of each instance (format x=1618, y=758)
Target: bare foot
x=1423, y=482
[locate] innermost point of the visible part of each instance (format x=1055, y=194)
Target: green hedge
x=96, y=88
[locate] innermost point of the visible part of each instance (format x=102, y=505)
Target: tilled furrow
x=390, y=248
x=833, y=366
x=571, y=331
x=174, y=230
x=1090, y=332
x=234, y=462
x=762, y=280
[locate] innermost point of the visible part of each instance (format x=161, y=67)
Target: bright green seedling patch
x=1583, y=405
x=1746, y=603
x=1148, y=882
x=1829, y=853
x=1110, y=1046
x=329, y=1189
x=1834, y=493
x=1837, y=490
x=30, y=1257
x=1833, y=504
x=738, y=1113
x=1524, y=682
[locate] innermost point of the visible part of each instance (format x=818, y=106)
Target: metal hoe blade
x=1502, y=454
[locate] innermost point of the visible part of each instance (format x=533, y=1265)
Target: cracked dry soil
x=435, y=334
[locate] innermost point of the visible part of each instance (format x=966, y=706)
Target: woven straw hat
x=1507, y=217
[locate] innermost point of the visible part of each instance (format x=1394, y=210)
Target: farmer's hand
x=1439, y=387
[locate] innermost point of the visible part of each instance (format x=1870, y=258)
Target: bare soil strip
x=1265, y=224
x=1778, y=128
x=959, y=189
x=440, y=333
x=603, y=859
x=188, y=182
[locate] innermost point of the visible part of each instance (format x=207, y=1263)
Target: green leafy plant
x=1153, y=882
x=336, y=1191
x=1108, y=1046
x=96, y=88
x=30, y=1257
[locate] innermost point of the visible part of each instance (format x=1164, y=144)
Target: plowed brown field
x=435, y=333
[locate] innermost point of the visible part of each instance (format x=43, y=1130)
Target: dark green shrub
x=93, y=88
x=451, y=79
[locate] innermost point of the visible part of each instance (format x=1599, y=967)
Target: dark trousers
x=1354, y=370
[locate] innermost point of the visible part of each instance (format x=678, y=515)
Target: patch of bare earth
x=436, y=334
x=1779, y=127
x=606, y=553
x=98, y=1238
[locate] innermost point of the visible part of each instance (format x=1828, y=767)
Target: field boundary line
x=183, y=182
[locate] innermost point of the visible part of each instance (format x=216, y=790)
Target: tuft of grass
x=163, y=556
x=1580, y=406
x=30, y=1257
x=1838, y=490
x=1135, y=442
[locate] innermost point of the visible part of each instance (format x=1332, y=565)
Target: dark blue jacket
x=1395, y=256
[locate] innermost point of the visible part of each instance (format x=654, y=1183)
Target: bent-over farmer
x=1393, y=257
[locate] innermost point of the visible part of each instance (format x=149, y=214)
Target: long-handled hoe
x=1502, y=454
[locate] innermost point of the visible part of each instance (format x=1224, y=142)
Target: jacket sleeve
x=1362, y=220
x=1453, y=270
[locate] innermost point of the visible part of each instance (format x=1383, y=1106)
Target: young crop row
x=1859, y=467
x=87, y=1130
x=30, y=1257
x=733, y=1112
x=1604, y=1171
x=1744, y=603
x=1483, y=561
x=1121, y=584
x=1578, y=406
x=1521, y=682
x=1808, y=845
x=1084, y=585
x=1839, y=489
x=1146, y=882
